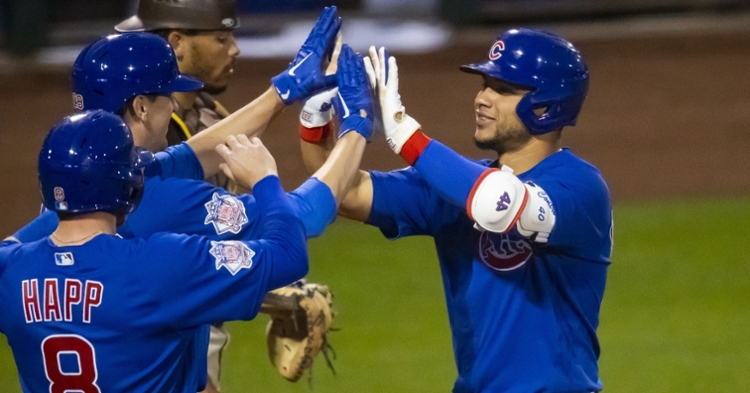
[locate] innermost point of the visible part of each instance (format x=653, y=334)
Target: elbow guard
x=499, y=201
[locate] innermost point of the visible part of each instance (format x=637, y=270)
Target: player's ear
x=177, y=41
x=139, y=108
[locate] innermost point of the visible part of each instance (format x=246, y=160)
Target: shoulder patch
x=233, y=255
x=226, y=213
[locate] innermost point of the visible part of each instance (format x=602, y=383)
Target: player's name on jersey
x=50, y=300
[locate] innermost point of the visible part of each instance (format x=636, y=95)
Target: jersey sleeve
x=193, y=207
x=583, y=213
x=40, y=227
x=451, y=175
x=199, y=208
x=176, y=161
x=315, y=205
x=198, y=280
x=403, y=204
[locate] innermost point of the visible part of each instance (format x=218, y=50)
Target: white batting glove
x=317, y=109
x=397, y=125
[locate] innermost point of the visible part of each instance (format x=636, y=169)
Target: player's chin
x=215, y=88
x=484, y=133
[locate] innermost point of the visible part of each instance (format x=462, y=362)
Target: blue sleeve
x=38, y=228
x=193, y=207
x=403, y=204
x=315, y=205
x=583, y=213
x=451, y=175
x=199, y=281
x=176, y=161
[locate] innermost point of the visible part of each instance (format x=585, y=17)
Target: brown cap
x=182, y=14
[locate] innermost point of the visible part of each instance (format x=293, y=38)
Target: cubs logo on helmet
x=232, y=255
x=497, y=50
x=500, y=252
x=547, y=65
x=226, y=213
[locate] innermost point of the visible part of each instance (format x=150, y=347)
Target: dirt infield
x=665, y=117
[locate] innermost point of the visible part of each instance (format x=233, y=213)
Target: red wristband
x=414, y=147
x=315, y=134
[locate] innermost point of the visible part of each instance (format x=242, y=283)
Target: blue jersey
x=121, y=315
x=176, y=199
x=523, y=315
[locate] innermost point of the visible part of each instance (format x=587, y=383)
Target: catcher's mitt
x=301, y=316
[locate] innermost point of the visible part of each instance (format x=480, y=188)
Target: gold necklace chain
x=76, y=241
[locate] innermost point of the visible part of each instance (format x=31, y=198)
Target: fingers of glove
x=381, y=69
x=322, y=37
x=370, y=73
x=322, y=24
x=354, y=92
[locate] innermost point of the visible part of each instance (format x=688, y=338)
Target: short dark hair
x=127, y=107
x=164, y=33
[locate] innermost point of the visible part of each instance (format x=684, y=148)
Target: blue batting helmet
x=116, y=68
x=551, y=67
x=88, y=163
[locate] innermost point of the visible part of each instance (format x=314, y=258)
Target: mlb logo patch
x=64, y=259
x=232, y=255
x=226, y=213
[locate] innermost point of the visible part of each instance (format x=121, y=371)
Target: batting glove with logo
x=353, y=103
x=383, y=74
x=305, y=75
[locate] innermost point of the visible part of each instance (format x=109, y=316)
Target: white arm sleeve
x=499, y=200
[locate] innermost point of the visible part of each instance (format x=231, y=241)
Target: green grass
x=675, y=318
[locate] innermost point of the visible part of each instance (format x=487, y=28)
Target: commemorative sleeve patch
x=232, y=255
x=226, y=213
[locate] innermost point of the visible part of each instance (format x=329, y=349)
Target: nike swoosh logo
x=291, y=70
x=343, y=103
x=283, y=96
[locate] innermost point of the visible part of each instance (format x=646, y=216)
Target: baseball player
x=201, y=33
x=523, y=241
x=176, y=199
x=88, y=311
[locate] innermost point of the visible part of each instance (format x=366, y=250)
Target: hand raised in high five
x=353, y=103
x=247, y=161
x=305, y=75
x=382, y=71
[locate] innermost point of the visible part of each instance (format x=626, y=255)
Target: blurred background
x=667, y=121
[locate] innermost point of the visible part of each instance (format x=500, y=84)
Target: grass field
x=675, y=318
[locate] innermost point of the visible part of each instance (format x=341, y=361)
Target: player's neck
x=537, y=149
x=185, y=99
x=78, y=230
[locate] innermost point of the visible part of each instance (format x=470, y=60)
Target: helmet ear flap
x=562, y=107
